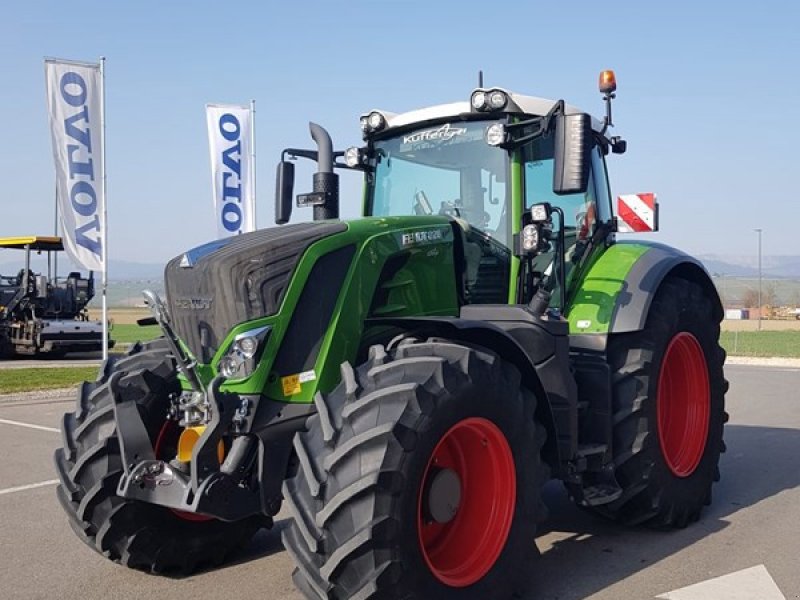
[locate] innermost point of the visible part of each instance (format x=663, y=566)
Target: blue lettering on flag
x=82, y=195
x=230, y=129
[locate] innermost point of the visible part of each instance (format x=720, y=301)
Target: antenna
x=480, y=79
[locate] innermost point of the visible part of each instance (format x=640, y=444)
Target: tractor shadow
x=265, y=543
x=590, y=554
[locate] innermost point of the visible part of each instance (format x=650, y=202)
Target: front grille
x=235, y=280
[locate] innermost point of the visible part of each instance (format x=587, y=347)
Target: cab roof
x=518, y=103
x=35, y=242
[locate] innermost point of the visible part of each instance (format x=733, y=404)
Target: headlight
x=228, y=366
x=247, y=346
x=242, y=356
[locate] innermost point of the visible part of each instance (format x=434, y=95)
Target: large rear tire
x=420, y=477
x=669, y=410
x=136, y=534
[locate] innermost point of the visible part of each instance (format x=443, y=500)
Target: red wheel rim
x=170, y=430
x=684, y=404
x=462, y=551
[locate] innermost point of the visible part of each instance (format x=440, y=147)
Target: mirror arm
x=299, y=153
x=544, y=126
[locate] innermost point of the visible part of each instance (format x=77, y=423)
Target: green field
x=128, y=334
x=784, y=344
x=43, y=378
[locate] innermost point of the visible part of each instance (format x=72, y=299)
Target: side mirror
x=573, y=154
x=284, y=189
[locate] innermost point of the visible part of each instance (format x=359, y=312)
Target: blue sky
x=708, y=99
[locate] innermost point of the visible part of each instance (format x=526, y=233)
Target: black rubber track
x=133, y=533
x=652, y=494
x=353, y=499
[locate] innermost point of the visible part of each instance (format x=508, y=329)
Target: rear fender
x=615, y=294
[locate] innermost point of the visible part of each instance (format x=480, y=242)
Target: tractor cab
x=485, y=163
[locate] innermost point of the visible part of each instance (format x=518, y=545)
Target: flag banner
x=232, y=168
x=74, y=104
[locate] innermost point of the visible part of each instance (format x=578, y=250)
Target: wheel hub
x=443, y=495
x=467, y=498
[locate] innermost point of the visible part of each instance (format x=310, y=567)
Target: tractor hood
x=213, y=287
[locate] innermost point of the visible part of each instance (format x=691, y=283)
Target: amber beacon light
x=608, y=82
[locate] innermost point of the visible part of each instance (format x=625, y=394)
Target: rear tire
x=362, y=498
x=669, y=410
x=133, y=533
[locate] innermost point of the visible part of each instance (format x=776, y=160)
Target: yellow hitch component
x=188, y=439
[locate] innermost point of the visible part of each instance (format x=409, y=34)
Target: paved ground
x=754, y=521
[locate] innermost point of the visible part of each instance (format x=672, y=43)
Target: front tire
x=669, y=410
x=420, y=477
x=133, y=533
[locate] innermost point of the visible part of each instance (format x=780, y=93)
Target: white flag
x=232, y=168
x=74, y=105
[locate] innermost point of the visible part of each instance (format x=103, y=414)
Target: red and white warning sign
x=637, y=213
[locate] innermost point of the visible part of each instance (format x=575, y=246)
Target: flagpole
x=104, y=249
x=253, y=158
x=55, y=233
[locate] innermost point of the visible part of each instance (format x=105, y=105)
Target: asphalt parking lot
x=749, y=538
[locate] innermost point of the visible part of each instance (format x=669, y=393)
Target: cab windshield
x=445, y=169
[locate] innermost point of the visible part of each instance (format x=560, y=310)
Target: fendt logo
x=193, y=303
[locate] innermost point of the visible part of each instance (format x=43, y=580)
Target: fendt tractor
x=404, y=384
x=41, y=313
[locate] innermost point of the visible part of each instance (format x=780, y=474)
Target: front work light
x=496, y=134
x=352, y=156
x=478, y=100
x=497, y=99
x=530, y=238
x=488, y=100
x=540, y=213
x=376, y=121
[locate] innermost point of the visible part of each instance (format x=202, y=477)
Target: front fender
x=490, y=335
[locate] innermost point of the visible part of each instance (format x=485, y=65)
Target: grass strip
x=781, y=344
x=43, y=378
x=128, y=334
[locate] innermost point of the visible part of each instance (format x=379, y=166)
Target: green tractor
x=404, y=384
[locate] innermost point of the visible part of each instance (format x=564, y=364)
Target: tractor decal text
x=421, y=237
x=445, y=132
x=193, y=303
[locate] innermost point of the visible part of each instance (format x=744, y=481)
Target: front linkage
x=198, y=479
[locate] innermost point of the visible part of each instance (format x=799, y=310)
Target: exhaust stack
x=326, y=182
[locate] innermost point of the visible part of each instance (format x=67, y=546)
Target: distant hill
x=787, y=267
x=118, y=270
